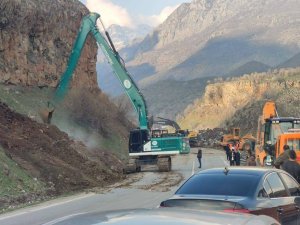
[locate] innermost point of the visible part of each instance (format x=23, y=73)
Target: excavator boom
x=88, y=25
x=143, y=149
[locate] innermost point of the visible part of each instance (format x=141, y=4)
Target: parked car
x=254, y=190
x=164, y=217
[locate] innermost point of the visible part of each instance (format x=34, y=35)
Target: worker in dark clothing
x=227, y=150
x=237, y=159
x=291, y=166
x=282, y=157
x=199, y=156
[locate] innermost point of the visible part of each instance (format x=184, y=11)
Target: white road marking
x=63, y=218
x=193, y=168
x=38, y=208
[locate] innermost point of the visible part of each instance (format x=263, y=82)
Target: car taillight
x=236, y=210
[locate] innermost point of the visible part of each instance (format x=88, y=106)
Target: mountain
x=124, y=36
x=238, y=101
x=168, y=98
x=291, y=63
x=250, y=67
x=207, y=38
x=121, y=37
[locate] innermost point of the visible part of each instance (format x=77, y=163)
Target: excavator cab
x=137, y=140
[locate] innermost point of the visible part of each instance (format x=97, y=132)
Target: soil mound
x=51, y=156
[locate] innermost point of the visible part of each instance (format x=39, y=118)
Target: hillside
x=208, y=38
x=250, y=67
x=170, y=97
x=238, y=101
x=53, y=160
x=86, y=144
x=291, y=63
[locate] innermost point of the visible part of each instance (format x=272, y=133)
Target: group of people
x=237, y=157
x=287, y=161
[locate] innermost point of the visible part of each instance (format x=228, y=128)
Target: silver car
x=164, y=217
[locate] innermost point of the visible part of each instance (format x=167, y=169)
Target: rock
x=36, y=40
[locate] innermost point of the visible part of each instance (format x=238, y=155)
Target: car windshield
x=220, y=184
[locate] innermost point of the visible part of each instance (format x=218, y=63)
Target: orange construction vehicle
x=273, y=133
x=246, y=142
x=232, y=137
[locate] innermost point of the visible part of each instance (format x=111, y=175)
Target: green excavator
x=143, y=148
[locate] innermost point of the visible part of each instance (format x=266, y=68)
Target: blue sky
x=133, y=12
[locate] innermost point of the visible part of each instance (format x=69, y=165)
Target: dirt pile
x=211, y=137
x=49, y=155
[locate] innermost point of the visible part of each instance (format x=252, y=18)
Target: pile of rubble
x=211, y=137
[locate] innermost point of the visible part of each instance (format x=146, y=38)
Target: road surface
x=141, y=190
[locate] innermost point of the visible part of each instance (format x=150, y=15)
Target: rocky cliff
x=36, y=38
x=224, y=102
x=207, y=38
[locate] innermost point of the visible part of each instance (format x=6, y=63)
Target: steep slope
x=51, y=157
x=211, y=38
x=124, y=36
x=249, y=67
x=238, y=101
x=38, y=160
x=162, y=95
x=36, y=40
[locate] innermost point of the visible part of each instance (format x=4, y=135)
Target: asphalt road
x=143, y=190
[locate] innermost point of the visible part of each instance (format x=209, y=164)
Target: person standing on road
x=291, y=166
x=245, y=154
x=232, y=157
x=244, y=157
x=282, y=157
x=227, y=150
x=199, y=156
x=237, y=157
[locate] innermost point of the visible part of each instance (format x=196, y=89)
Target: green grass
x=16, y=182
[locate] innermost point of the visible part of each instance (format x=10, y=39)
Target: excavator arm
x=88, y=25
x=168, y=122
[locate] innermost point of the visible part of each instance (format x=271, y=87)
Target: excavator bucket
x=46, y=115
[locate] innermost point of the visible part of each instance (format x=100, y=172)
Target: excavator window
x=137, y=139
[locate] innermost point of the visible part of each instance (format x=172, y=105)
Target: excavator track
x=164, y=164
x=133, y=166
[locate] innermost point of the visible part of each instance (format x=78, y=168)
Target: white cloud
x=155, y=20
x=164, y=14
x=110, y=13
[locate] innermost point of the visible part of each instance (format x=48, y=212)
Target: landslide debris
x=50, y=156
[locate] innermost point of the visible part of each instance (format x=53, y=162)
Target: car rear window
x=201, y=204
x=220, y=184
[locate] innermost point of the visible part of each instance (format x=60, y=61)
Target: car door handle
x=280, y=210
